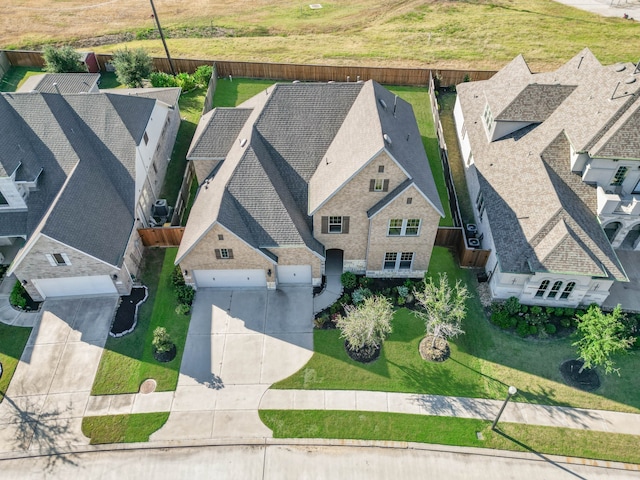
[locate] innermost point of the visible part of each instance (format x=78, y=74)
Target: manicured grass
x=16, y=76
x=109, y=80
x=191, y=104
x=419, y=99
x=123, y=428
x=451, y=431
x=232, y=93
x=12, y=342
x=127, y=361
x=483, y=362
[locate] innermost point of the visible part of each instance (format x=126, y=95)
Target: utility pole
x=166, y=49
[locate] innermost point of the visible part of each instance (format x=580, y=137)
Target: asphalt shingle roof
x=216, y=132
x=66, y=82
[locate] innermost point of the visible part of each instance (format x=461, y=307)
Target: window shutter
x=372, y=185
x=230, y=251
x=51, y=260
x=325, y=225
x=65, y=258
x=345, y=224
x=385, y=186
x=217, y=250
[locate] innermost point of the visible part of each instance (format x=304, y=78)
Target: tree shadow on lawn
x=538, y=454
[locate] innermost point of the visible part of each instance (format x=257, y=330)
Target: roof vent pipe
x=55, y=85
x=387, y=139
x=395, y=104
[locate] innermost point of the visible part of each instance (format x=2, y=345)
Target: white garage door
x=294, y=274
x=65, y=287
x=230, y=278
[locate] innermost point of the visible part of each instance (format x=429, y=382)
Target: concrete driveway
x=239, y=343
x=48, y=394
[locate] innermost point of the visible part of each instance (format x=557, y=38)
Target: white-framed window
x=619, y=176
x=555, y=289
x=487, y=116
x=335, y=224
x=224, y=253
x=567, y=290
x=542, y=288
x=398, y=261
x=409, y=227
x=378, y=185
x=58, y=259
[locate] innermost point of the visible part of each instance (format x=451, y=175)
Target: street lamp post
x=511, y=392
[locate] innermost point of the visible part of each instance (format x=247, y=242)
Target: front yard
x=483, y=363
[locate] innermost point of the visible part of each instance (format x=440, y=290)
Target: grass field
x=12, y=343
x=478, y=34
x=451, y=431
x=484, y=362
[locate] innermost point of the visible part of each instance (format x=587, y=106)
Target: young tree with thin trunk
x=62, y=60
x=443, y=307
x=602, y=336
x=132, y=66
x=366, y=325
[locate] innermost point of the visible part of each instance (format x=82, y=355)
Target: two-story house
x=552, y=162
x=303, y=169
x=78, y=175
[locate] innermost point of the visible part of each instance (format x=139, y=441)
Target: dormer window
x=619, y=176
x=487, y=116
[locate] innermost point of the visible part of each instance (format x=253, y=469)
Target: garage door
x=294, y=274
x=65, y=287
x=230, y=278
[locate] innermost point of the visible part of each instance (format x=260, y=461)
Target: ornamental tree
x=366, y=326
x=132, y=66
x=602, y=336
x=442, y=307
x=62, y=60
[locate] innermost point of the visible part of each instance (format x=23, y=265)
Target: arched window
x=567, y=290
x=542, y=288
x=555, y=289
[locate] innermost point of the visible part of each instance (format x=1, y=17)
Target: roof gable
x=535, y=103
x=216, y=132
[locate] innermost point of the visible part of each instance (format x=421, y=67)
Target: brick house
x=78, y=175
x=552, y=165
x=302, y=170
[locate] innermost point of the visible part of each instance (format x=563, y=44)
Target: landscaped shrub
x=366, y=326
x=550, y=311
x=202, y=75
x=176, y=277
x=335, y=308
x=321, y=321
x=565, y=322
x=523, y=329
x=183, y=309
x=18, y=296
x=500, y=318
x=186, y=82
x=402, y=291
x=524, y=308
x=365, y=282
x=360, y=294
x=400, y=301
x=345, y=299
x=163, y=80
x=569, y=312
x=185, y=294
x=550, y=328
x=348, y=280
x=512, y=305
x=536, y=316
x=162, y=341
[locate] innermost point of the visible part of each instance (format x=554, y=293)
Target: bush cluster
x=348, y=280
x=184, y=293
x=531, y=320
x=18, y=296
x=183, y=80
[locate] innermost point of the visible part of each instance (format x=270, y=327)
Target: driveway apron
x=239, y=343
x=48, y=394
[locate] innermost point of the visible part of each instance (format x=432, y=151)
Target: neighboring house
x=551, y=159
x=78, y=176
x=302, y=170
x=62, y=83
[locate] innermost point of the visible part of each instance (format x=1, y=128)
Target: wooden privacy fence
x=161, y=236
x=454, y=239
x=286, y=71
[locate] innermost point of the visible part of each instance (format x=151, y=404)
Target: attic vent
x=620, y=67
x=296, y=81
x=383, y=103
x=387, y=139
x=630, y=80
x=243, y=142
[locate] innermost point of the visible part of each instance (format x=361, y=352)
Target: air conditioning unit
x=472, y=228
x=473, y=243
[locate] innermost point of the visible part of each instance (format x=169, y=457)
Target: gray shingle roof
x=216, y=132
x=542, y=216
x=168, y=95
x=66, y=82
x=536, y=102
x=622, y=140
x=87, y=141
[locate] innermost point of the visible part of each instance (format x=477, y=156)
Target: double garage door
x=72, y=286
x=287, y=275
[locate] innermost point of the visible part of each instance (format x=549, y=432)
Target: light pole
x=166, y=49
x=511, y=392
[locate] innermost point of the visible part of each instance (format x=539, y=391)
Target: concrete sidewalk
x=418, y=404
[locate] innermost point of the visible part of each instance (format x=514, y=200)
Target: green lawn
x=451, y=431
x=16, y=76
x=127, y=361
x=483, y=362
x=12, y=342
x=123, y=428
x=233, y=93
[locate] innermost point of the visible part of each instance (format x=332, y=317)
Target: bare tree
x=443, y=307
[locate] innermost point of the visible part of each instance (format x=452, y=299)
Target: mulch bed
x=166, y=356
x=434, y=353
x=127, y=313
x=363, y=355
x=588, y=380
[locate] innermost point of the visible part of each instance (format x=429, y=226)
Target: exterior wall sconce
x=269, y=272
x=24, y=282
x=115, y=276
x=186, y=273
